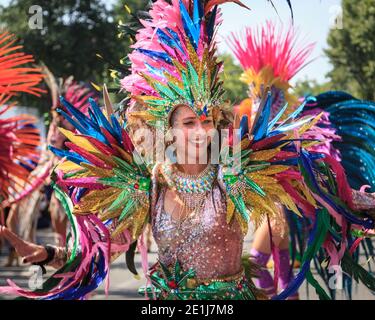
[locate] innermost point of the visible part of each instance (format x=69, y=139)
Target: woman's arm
x=363, y=201
x=55, y=256
x=31, y=252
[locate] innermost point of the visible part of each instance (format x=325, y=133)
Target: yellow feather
x=79, y=141
x=264, y=155
x=68, y=166
x=309, y=125
x=230, y=210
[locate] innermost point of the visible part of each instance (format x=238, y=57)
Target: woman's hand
x=31, y=253
x=363, y=200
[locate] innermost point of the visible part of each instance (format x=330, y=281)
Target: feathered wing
x=354, y=122
x=276, y=167
x=19, y=154
x=19, y=137
x=104, y=188
x=106, y=172
x=16, y=76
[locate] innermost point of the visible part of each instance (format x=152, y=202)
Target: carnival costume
x=40, y=197
x=19, y=138
x=270, y=57
x=110, y=194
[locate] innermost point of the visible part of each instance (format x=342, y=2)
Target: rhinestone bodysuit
x=202, y=241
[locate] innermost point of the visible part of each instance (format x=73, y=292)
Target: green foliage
x=351, y=50
x=307, y=87
x=73, y=32
x=236, y=90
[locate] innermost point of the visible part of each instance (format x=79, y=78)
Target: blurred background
x=75, y=32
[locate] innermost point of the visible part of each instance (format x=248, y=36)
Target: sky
x=313, y=18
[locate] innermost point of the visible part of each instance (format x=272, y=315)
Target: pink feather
x=271, y=46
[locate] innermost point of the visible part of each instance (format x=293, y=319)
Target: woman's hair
x=222, y=117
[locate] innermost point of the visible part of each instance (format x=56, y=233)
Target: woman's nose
x=199, y=130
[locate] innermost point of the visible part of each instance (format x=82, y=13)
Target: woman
x=199, y=211
x=189, y=228
x=197, y=245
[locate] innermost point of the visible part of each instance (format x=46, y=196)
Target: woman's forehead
x=186, y=113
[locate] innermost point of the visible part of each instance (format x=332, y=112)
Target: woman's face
x=192, y=134
x=55, y=137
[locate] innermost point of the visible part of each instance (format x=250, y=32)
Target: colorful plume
x=174, y=59
x=270, y=57
x=19, y=139
x=16, y=76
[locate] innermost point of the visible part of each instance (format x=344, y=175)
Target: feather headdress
x=174, y=60
x=270, y=58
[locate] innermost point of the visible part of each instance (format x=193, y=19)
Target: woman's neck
x=191, y=169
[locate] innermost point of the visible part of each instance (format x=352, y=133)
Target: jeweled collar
x=185, y=183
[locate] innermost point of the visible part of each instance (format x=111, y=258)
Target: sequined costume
x=202, y=241
x=205, y=243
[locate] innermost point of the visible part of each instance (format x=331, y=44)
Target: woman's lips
x=199, y=142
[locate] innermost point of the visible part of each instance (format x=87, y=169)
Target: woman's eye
x=207, y=121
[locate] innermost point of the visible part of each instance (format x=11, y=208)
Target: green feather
x=121, y=199
x=114, y=182
x=165, y=91
x=241, y=207
x=357, y=272
x=128, y=207
x=123, y=164
x=254, y=186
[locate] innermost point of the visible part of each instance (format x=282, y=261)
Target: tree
x=307, y=87
x=235, y=89
x=72, y=33
x=352, y=50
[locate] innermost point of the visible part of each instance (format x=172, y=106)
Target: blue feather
x=244, y=126
x=117, y=127
x=102, y=120
x=71, y=156
x=261, y=125
x=301, y=276
x=156, y=55
x=197, y=13
x=211, y=24
x=75, y=124
x=176, y=39
x=277, y=117
x=189, y=26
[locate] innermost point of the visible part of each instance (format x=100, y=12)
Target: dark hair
x=174, y=114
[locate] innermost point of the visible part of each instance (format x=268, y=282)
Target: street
x=124, y=286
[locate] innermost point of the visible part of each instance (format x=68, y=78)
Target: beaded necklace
x=191, y=189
